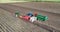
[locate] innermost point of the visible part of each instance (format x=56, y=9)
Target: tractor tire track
x=4, y=26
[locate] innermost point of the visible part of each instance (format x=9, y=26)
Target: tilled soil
x=13, y=24
x=9, y=23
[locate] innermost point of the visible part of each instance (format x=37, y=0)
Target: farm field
x=10, y=23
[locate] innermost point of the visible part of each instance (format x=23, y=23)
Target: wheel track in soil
x=4, y=26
